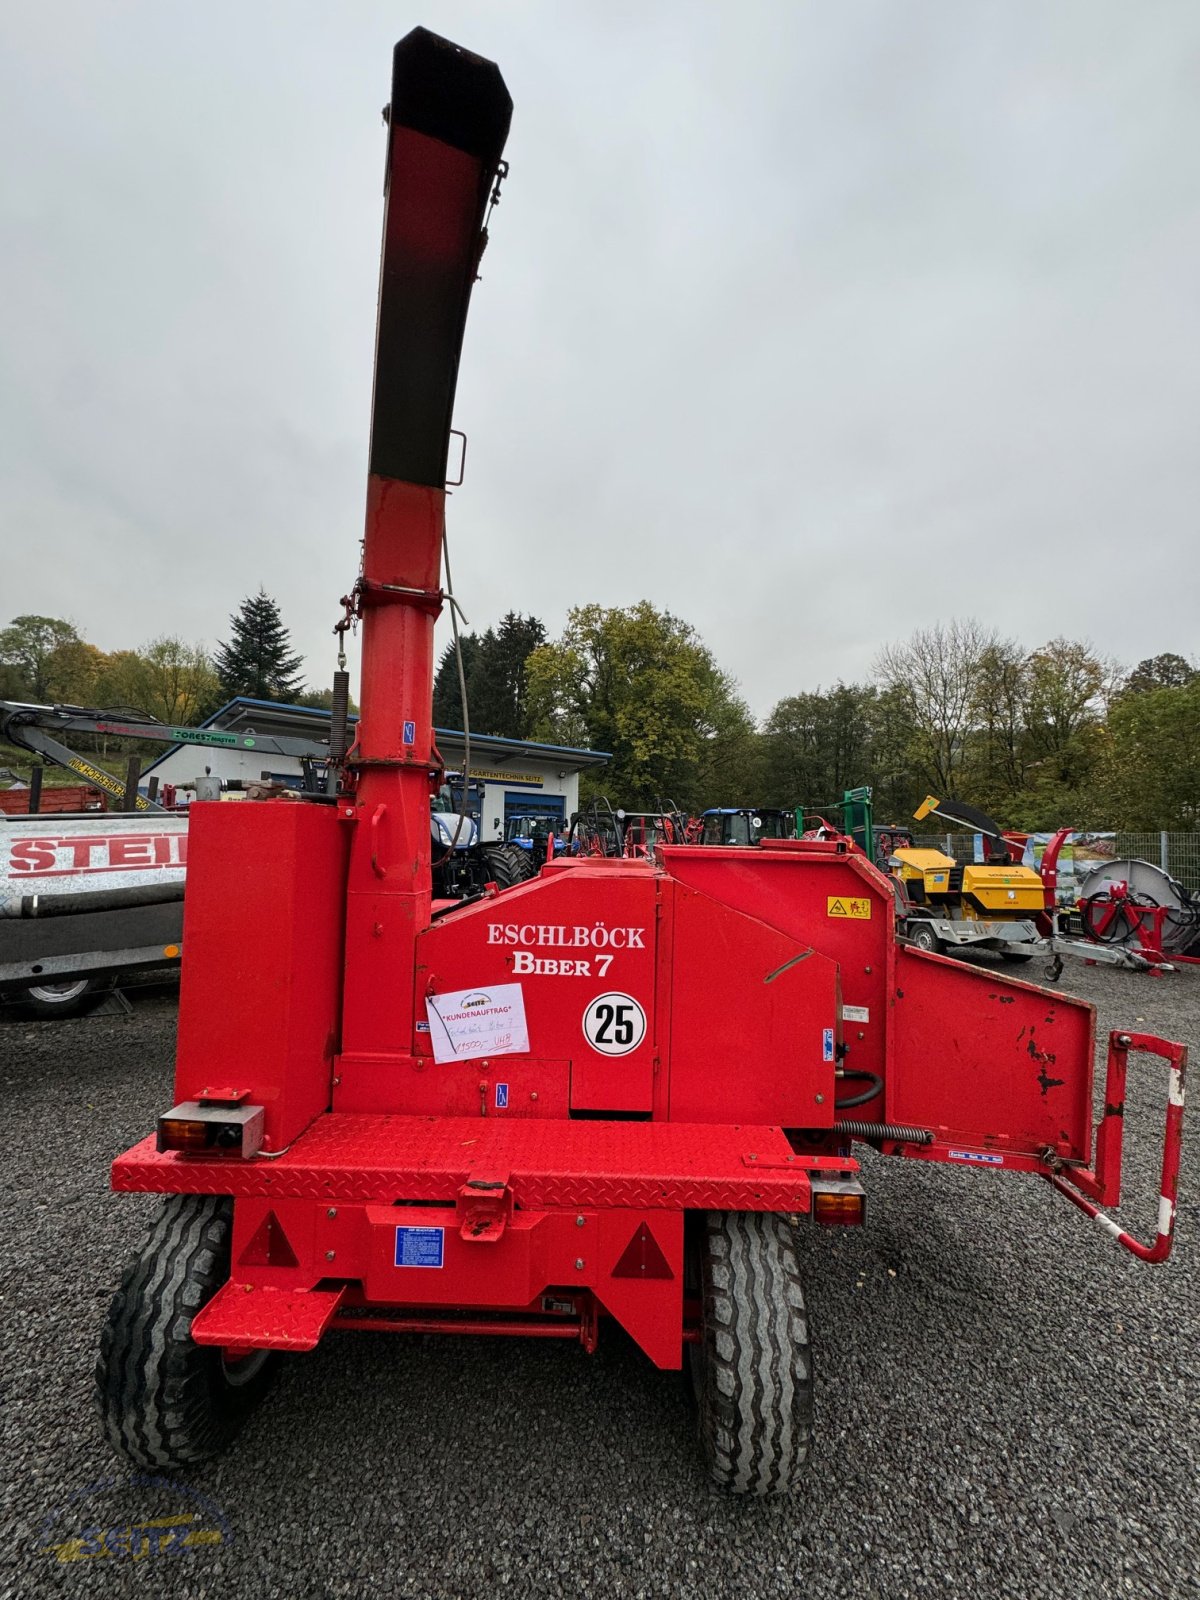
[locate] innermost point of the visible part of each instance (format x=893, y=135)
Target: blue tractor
x=734, y=825
x=531, y=835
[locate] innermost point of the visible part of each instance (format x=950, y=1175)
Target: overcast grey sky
x=811, y=322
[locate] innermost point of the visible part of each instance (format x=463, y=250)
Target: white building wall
x=494, y=791
x=185, y=765
x=189, y=762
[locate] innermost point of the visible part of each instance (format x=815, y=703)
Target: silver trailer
x=86, y=897
x=1015, y=941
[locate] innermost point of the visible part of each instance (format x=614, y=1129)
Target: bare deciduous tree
x=936, y=672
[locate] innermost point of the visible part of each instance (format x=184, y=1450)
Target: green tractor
x=857, y=822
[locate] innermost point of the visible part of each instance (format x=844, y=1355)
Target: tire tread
x=756, y=1370
x=163, y=1399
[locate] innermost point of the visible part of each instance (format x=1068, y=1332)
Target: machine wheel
x=164, y=1400
x=64, y=999
x=1016, y=955
x=752, y=1370
x=506, y=865
x=923, y=936
x=527, y=864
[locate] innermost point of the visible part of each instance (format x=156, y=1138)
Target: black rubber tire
x=925, y=939
x=753, y=1366
x=526, y=862
x=74, y=996
x=1017, y=956
x=505, y=865
x=165, y=1401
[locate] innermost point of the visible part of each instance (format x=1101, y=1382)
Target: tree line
x=1039, y=738
x=45, y=661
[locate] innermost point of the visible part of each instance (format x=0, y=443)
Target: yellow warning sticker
x=843, y=906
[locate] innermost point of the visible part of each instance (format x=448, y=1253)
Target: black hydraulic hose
x=1121, y=928
x=874, y=1086
x=895, y=1131
x=69, y=905
x=1126, y=923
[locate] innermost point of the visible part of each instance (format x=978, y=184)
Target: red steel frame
x=1084, y=1189
x=1148, y=920
x=530, y=1190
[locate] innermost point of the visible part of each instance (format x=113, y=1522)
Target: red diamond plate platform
x=353, y=1156
x=261, y=1318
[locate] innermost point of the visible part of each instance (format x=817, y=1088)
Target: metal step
x=265, y=1318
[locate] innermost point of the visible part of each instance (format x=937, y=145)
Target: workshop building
x=509, y=777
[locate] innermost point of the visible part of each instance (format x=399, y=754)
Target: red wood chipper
x=612, y=1092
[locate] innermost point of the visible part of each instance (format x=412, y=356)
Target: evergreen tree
x=498, y=684
x=447, y=701
x=258, y=660
x=494, y=667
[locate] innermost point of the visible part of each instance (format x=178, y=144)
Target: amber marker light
x=839, y=1209
x=210, y=1127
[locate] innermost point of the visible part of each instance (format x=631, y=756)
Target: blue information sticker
x=420, y=1247
x=976, y=1155
x=501, y=1097
x=410, y=733
x=827, y=1044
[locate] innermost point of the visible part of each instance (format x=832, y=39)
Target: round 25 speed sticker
x=614, y=1024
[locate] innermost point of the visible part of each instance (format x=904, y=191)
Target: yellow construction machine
x=945, y=904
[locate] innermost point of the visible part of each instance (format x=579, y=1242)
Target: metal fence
x=1176, y=853
x=961, y=846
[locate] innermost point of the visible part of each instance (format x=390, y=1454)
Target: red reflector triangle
x=269, y=1247
x=642, y=1258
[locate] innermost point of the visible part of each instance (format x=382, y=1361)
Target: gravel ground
x=1007, y=1402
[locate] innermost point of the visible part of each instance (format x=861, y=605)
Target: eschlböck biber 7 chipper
x=614, y=1091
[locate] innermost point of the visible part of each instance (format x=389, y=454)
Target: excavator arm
x=34, y=728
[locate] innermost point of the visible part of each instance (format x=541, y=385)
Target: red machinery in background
x=610, y=1092
x=1131, y=913
x=1134, y=908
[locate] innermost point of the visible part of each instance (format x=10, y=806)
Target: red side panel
x=570, y=938
x=754, y=1020
x=259, y=998
x=639, y=1278
x=988, y=1063
x=834, y=902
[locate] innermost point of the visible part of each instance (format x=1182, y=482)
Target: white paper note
x=478, y=1022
